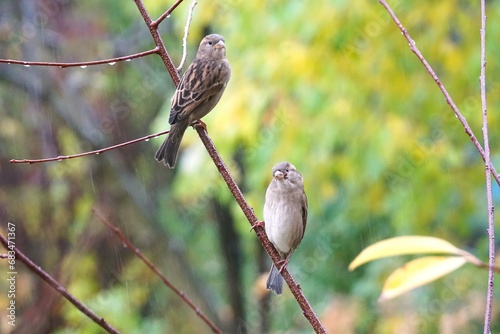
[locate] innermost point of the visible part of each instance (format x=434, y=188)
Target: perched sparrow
x=200, y=89
x=285, y=217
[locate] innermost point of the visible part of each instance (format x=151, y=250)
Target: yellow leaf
x=404, y=245
x=419, y=272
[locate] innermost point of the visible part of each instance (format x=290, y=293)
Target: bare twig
x=485, y=153
x=163, y=16
x=153, y=29
x=79, y=155
x=478, y=263
x=487, y=162
x=110, y=61
x=259, y=231
x=447, y=96
x=58, y=287
x=157, y=271
x=186, y=33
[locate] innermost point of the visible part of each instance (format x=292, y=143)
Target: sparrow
x=285, y=217
x=200, y=89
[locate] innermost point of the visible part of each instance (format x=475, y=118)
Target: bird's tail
x=275, y=281
x=169, y=150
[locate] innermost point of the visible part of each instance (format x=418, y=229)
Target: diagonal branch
x=163, y=16
x=259, y=231
x=162, y=51
x=447, y=96
x=58, y=287
x=157, y=271
x=233, y=187
x=236, y=192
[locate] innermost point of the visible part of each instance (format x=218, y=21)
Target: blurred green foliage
x=330, y=86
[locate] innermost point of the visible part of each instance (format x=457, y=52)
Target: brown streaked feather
x=304, y=213
x=187, y=98
x=199, y=91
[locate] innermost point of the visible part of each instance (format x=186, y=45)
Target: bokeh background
x=331, y=86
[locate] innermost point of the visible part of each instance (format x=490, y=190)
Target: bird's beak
x=279, y=175
x=220, y=45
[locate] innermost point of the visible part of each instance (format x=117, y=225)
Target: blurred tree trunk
x=230, y=243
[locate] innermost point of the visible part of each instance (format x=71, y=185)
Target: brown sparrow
x=285, y=217
x=200, y=89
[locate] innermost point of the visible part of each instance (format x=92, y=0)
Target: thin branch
x=110, y=61
x=485, y=153
x=259, y=231
x=247, y=210
x=58, y=287
x=487, y=161
x=447, y=96
x=478, y=263
x=79, y=155
x=186, y=33
x=169, y=11
x=162, y=51
x=153, y=268
x=481, y=264
x=236, y=192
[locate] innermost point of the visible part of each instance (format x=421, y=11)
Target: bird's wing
x=304, y=212
x=193, y=90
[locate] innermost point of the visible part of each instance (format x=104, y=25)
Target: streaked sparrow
x=200, y=89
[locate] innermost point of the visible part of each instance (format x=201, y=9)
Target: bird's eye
x=287, y=170
x=210, y=43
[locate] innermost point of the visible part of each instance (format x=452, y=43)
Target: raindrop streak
x=92, y=181
x=128, y=60
x=83, y=66
x=27, y=65
x=147, y=139
x=112, y=63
